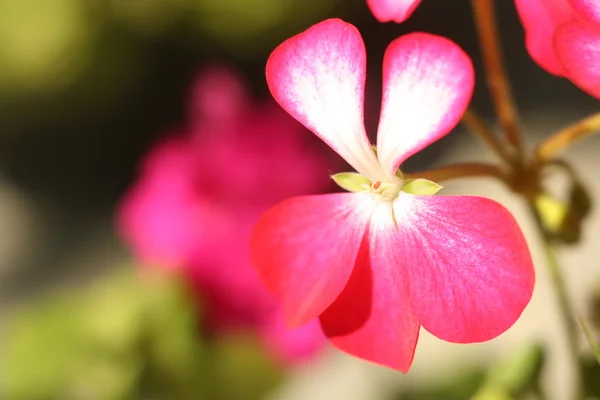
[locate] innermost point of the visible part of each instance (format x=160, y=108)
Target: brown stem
x=567, y=136
x=484, y=132
x=459, y=170
x=497, y=79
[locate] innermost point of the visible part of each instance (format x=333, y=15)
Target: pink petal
x=470, y=270
x=427, y=84
x=392, y=10
x=304, y=249
x=578, y=48
x=372, y=318
x=540, y=19
x=318, y=77
x=588, y=9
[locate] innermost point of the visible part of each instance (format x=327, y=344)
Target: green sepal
x=351, y=181
x=421, y=187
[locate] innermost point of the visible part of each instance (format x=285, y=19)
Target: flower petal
x=305, y=248
x=372, y=318
x=470, y=270
x=578, y=48
x=392, y=10
x=318, y=77
x=427, y=84
x=588, y=9
x=540, y=19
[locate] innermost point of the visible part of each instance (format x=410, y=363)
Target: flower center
x=386, y=191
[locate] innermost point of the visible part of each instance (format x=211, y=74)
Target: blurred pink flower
x=200, y=193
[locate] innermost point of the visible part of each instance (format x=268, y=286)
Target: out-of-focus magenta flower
x=200, y=193
x=376, y=264
x=392, y=10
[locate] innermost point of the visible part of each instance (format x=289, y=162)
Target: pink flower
x=563, y=37
x=200, y=193
x=392, y=10
x=376, y=264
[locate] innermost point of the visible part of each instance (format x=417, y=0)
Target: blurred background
x=138, y=145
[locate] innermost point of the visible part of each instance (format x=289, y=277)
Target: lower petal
x=372, y=318
x=471, y=274
x=305, y=248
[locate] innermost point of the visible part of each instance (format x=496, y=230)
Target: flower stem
x=458, y=170
x=482, y=131
x=564, y=304
x=566, y=136
x=497, y=80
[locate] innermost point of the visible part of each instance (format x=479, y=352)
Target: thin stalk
x=497, y=79
x=564, y=304
x=567, y=136
x=590, y=339
x=484, y=132
x=458, y=170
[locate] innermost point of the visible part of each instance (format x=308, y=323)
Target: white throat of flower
x=386, y=191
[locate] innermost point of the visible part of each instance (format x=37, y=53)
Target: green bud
x=351, y=181
x=421, y=187
x=551, y=211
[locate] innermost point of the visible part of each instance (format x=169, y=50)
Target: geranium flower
x=200, y=193
x=376, y=264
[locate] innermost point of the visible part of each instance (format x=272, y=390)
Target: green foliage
x=126, y=337
x=514, y=377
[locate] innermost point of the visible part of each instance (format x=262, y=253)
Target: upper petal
x=372, y=318
x=427, y=84
x=392, y=10
x=578, y=48
x=318, y=77
x=540, y=19
x=588, y=9
x=470, y=270
x=305, y=248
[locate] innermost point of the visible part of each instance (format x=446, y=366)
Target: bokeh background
x=87, y=89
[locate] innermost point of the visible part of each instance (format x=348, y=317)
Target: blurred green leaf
x=44, y=44
x=519, y=372
x=454, y=387
x=240, y=359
